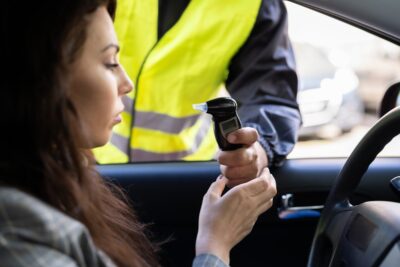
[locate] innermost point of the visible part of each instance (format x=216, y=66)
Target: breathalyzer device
x=225, y=117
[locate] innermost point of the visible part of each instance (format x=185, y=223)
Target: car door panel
x=167, y=196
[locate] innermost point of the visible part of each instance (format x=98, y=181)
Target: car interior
x=329, y=211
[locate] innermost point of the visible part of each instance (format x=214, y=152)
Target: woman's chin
x=99, y=142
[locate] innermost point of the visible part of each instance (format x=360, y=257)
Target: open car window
x=343, y=74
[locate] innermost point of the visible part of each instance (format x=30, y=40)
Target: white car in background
x=328, y=95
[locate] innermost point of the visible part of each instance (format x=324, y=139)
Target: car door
x=167, y=195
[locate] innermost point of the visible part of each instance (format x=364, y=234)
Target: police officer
x=180, y=52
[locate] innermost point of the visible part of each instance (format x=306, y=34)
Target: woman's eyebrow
x=111, y=46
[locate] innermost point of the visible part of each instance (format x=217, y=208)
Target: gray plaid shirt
x=34, y=234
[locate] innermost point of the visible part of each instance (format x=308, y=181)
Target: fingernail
x=219, y=177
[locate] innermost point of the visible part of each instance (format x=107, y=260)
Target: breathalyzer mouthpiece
x=202, y=107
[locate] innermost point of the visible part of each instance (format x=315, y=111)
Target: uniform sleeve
x=208, y=260
x=263, y=80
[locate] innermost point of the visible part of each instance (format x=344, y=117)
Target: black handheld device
x=225, y=117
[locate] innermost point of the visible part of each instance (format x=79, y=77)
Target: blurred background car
x=328, y=95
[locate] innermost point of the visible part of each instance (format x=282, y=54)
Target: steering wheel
x=367, y=234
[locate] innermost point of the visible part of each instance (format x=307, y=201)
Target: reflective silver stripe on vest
x=138, y=155
x=122, y=143
x=164, y=123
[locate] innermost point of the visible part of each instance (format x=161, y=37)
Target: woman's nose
x=126, y=84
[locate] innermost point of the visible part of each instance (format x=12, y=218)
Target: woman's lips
x=117, y=119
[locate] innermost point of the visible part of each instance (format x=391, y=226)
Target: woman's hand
x=246, y=163
x=225, y=220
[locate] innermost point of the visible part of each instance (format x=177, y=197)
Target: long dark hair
x=39, y=125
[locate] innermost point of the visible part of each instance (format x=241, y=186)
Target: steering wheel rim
x=350, y=176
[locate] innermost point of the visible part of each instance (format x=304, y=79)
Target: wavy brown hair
x=40, y=126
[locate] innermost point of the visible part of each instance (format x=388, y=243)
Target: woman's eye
x=112, y=66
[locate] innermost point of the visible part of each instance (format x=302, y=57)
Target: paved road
x=342, y=145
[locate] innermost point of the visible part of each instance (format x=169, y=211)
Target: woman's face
x=98, y=82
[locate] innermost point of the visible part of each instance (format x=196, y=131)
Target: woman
x=61, y=97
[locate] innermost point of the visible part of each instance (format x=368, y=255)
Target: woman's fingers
x=266, y=205
x=226, y=220
x=217, y=187
x=257, y=195
x=264, y=184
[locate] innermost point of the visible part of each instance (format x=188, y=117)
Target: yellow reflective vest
x=187, y=65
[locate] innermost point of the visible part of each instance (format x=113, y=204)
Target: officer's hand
x=246, y=163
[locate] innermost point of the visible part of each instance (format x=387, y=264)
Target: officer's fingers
x=265, y=182
x=239, y=157
x=232, y=181
x=234, y=176
x=246, y=136
x=237, y=181
x=246, y=172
